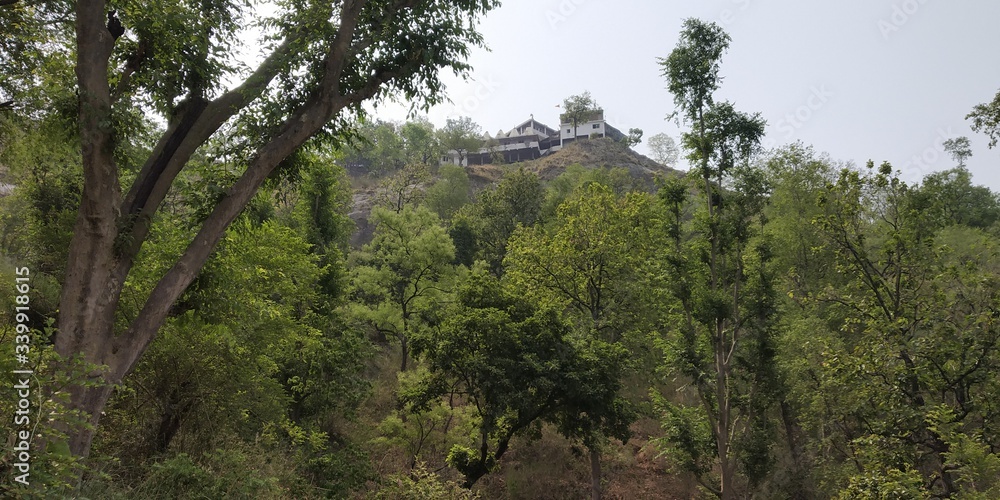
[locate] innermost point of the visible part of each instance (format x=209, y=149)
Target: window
x=597, y=125
x=569, y=131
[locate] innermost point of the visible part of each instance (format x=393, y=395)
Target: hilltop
x=593, y=153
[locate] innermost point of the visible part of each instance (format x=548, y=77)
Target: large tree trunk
x=724, y=421
x=90, y=294
x=595, y=473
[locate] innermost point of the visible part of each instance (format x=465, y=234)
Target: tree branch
x=134, y=63
x=298, y=128
x=190, y=128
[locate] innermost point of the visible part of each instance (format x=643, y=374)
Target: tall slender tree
x=718, y=270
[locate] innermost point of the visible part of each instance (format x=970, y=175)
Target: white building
x=532, y=139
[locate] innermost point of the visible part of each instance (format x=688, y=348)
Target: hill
x=592, y=153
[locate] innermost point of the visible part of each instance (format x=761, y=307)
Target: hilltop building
x=532, y=139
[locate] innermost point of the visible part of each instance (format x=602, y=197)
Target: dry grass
x=553, y=468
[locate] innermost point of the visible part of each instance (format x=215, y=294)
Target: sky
x=886, y=80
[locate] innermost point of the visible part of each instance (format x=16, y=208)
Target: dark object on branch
x=114, y=25
x=716, y=199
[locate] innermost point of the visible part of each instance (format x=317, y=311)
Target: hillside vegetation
x=356, y=319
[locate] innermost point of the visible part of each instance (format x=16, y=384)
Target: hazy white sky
x=859, y=79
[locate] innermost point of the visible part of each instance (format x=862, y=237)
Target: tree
x=578, y=108
x=461, y=135
x=450, y=192
x=517, y=364
x=259, y=283
x=516, y=201
x=323, y=63
x=589, y=261
x=903, y=338
x=320, y=212
x=949, y=197
x=718, y=270
x=420, y=142
x=959, y=149
x=986, y=119
x=400, y=275
x=664, y=149
x=403, y=188
x=634, y=137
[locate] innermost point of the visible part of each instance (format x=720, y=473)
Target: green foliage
x=324, y=199
x=959, y=148
x=799, y=176
x=516, y=201
x=589, y=259
x=38, y=218
x=426, y=432
x=450, y=192
x=254, y=344
x=399, y=278
x=976, y=465
x=949, y=197
x=826, y=332
x=212, y=370
x=889, y=484
x=578, y=108
x=376, y=149
x=986, y=119
x=403, y=188
x=558, y=190
x=692, y=69
x=422, y=484
x=516, y=365
x=233, y=472
x=902, y=327
x=634, y=137
x=39, y=72
x=420, y=142
x=719, y=274
x=461, y=135
x=687, y=441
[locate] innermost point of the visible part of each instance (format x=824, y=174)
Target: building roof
x=538, y=127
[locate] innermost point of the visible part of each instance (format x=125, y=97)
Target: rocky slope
x=592, y=153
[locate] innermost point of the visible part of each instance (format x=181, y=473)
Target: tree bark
x=724, y=421
x=595, y=473
x=89, y=294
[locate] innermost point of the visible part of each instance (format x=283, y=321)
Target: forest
x=260, y=290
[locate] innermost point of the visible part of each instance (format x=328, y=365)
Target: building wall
x=528, y=142
x=583, y=130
